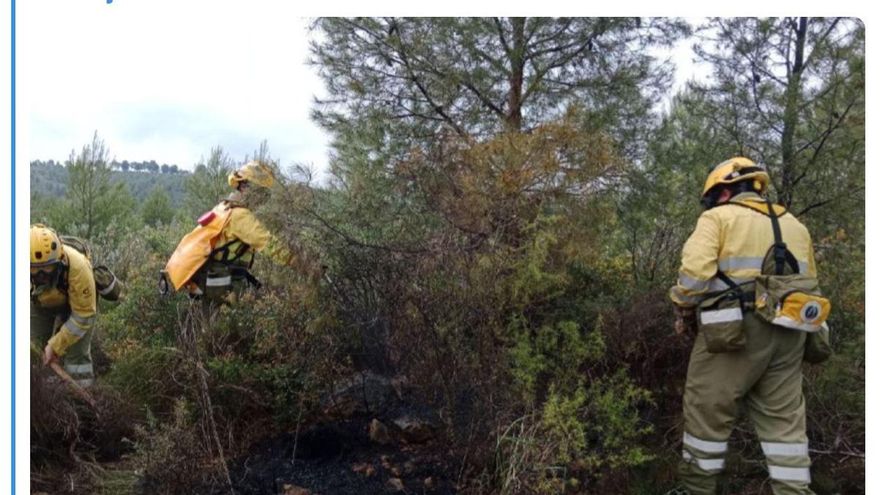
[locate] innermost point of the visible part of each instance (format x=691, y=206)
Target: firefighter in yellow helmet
x=63, y=303
x=227, y=271
x=750, y=363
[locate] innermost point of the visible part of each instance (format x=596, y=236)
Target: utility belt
x=720, y=314
x=219, y=278
x=224, y=275
x=745, y=296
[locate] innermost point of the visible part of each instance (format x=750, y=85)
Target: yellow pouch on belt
x=791, y=301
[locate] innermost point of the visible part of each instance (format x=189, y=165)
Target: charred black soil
x=338, y=458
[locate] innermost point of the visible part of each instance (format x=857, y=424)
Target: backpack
x=106, y=284
x=194, y=249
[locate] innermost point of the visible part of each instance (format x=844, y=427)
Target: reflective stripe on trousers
x=786, y=449
x=83, y=374
x=85, y=382
x=708, y=455
x=787, y=461
x=782, y=473
x=707, y=465
x=79, y=369
x=704, y=445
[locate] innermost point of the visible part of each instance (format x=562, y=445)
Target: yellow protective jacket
x=243, y=227
x=734, y=239
x=76, y=293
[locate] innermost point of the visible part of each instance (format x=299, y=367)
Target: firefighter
x=760, y=369
x=237, y=236
x=63, y=304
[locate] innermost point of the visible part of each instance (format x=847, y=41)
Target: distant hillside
x=50, y=179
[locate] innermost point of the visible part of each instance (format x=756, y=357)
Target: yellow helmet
x=45, y=246
x=735, y=170
x=253, y=172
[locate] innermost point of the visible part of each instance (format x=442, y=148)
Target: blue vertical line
x=12, y=291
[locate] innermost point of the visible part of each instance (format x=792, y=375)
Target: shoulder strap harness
x=781, y=254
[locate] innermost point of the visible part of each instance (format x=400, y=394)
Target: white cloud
x=166, y=80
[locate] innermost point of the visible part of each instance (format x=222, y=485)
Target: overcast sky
x=167, y=80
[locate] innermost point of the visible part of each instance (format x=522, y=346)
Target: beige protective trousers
x=77, y=362
x=766, y=379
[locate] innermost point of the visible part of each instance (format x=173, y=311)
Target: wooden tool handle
x=76, y=387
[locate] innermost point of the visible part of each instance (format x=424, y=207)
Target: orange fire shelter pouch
x=195, y=248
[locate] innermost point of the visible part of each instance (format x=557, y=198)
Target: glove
x=49, y=355
x=685, y=320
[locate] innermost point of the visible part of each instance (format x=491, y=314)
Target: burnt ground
x=339, y=458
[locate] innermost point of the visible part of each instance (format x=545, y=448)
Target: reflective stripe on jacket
x=734, y=239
